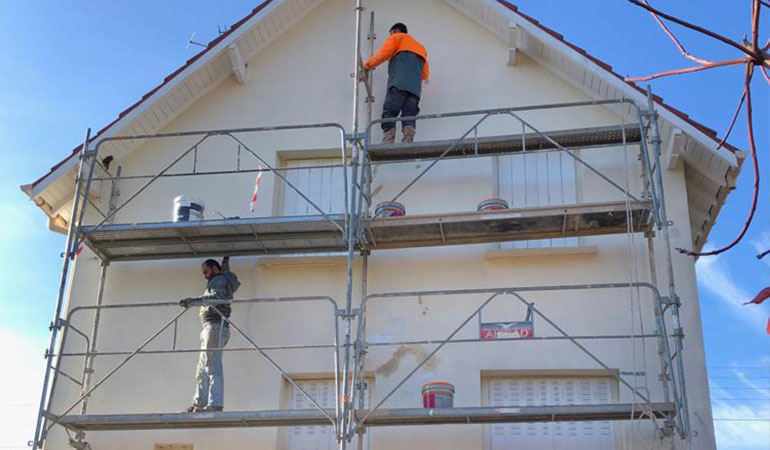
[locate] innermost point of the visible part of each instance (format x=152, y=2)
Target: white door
x=532, y=391
x=322, y=184
x=527, y=180
x=315, y=437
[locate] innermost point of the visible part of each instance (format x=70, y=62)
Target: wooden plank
x=152, y=116
x=249, y=44
x=199, y=81
x=166, y=107
x=272, y=27
x=263, y=32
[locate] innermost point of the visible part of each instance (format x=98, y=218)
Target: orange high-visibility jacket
x=395, y=44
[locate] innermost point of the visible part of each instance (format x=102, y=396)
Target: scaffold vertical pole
x=351, y=233
x=88, y=368
x=88, y=364
x=359, y=378
x=69, y=253
x=663, y=350
x=673, y=299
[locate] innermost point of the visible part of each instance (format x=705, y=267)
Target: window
x=324, y=185
x=528, y=180
x=313, y=437
x=541, y=391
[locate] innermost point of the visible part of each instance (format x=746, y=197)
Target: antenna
x=192, y=42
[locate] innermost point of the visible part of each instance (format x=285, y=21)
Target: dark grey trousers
x=398, y=102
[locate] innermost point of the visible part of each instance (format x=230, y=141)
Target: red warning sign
x=506, y=330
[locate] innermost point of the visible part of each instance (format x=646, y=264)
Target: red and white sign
x=506, y=330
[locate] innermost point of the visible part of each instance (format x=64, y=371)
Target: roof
x=709, y=180
x=607, y=67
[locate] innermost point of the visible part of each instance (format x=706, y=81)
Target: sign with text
x=506, y=330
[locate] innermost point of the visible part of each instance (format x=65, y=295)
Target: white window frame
x=287, y=402
x=559, y=187
x=495, y=375
x=288, y=201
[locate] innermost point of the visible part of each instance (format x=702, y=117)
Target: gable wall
x=304, y=77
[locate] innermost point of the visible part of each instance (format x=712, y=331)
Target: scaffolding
x=358, y=233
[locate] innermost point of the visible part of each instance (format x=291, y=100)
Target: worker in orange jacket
x=407, y=69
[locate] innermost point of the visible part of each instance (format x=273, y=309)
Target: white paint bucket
x=390, y=209
x=492, y=204
x=188, y=209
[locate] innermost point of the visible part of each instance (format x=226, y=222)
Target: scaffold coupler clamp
x=668, y=429
x=350, y=137
x=672, y=300
x=57, y=324
x=79, y=442
x=361, y=347
x=342, y=312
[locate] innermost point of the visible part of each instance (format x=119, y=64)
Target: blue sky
x=66, y=66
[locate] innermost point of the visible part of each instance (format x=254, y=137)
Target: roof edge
x=677, y=115
x=218, y=43
x=224, y=39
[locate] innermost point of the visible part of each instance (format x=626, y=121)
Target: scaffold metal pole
x=68, y=256
x=673, y=298
x=351, y=235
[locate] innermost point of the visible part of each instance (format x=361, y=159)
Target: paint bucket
x=493, y=204
x=188, y=209
x=438, y=394
x=390, y=209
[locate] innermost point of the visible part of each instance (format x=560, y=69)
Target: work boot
x=212, y=408
x=389, y=137
x=409, y=133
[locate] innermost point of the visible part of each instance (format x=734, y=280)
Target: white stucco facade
x=304, y=77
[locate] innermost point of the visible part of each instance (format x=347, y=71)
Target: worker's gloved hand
x=185, y=302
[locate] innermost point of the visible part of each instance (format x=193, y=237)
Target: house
x=564, y=322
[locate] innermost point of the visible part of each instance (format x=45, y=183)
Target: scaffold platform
x=316, y=234
x=500, y=145
x=240, y=236
x=508, y=225
x=381, y=417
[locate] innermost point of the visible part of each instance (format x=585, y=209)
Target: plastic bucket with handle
x=493, y=204
x=188, y=209
x=390, y=209
x=438, y=394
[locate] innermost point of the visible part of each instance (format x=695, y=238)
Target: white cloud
x=21, y=379
x=747, y=431
x=714, y=276
x=747, y=408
